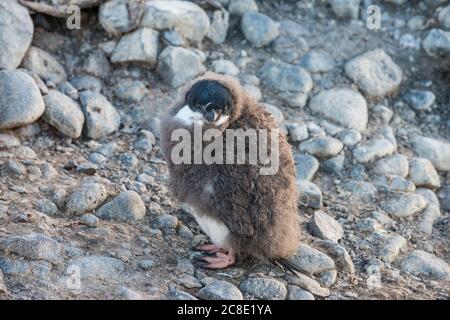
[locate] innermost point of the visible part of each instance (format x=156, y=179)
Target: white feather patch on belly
x=216, y=231
x=189, y=117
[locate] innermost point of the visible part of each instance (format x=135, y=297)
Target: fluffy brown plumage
x=260, y=211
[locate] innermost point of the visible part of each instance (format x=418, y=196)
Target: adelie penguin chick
x=243, y=212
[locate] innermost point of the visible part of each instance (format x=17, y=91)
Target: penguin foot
x=211, y=248
x=220, y=260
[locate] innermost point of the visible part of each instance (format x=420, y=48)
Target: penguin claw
x=210, y=248
x=219, y=261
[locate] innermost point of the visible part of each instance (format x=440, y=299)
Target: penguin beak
x=189, y=117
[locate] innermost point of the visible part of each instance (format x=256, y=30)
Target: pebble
x=306, y=166
x=373, y=149
x=397, y=165
x=437, y=43
x=264, y=288
x=333, y=165
x=325, y=227
x=312, y=260
x=218, y=30
x=391, y=248
x=97, y=64
x=90, y=220
x=227, y=67
x=368, y=226
x=339, y=254
x=44, y=65
x=297, y=131
x=46, y=206
x=146, y=264
x=391, y=183
x=87, y=82
x=304, y=282
x=97, y=267
x=404, y=206
x=349, y=137
x=295, y=293
x=127, y=206
x=139, y=46
x=86, y=198
x=8, y=140
x=444, y=17
x=425, y=264
x=284, y=77
x=420, y=100
x=276, y=113
x=114, y=17
x=345, y=9
x=423, y=174
x=167, y=221
x=360, y=190
x=322, y=147
x=239, y=7
x=220, y=290
x=428, y=217
x=259, y=29
x=317, y=61
x=291, y=48
x=438, y=152
x=309, y=194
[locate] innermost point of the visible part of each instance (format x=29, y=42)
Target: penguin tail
x=286, y=265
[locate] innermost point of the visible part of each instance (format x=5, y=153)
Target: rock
x=240, y=7
x=284, y=77
x=307, y=283
x=46, y=206
x=423, y=174
x=405, y=205
x=437, y=43
x=420, y=100
x=189, y=281
x=360, y=190
x=345, y=9
x=67, y=89
x=444, y=17
x=316, y=61
x=375, y=73
x=3, y=288
x=297, y=131
x=177, y=66
x=428, y=217
x=276, y=113
x=334, y=165
x=309, y=194
x=147, y=264
x=219, y=26
x=220, y=290
x=295, y=293
x=327, y=278
x=343, y=106
x=36, y=246
x=114, y=17
x=44, y=65
x=306, y=166
x=16, y=167
x=97, y=267
x=391, y=183
x=264, y=288
x=101, y=117
x=86, y=198
x=16, y=33
x=368, y=226
x=438, y=152
x=129, y=160
x=225, y=67
x=131, y=91
x=290, y=48
x=185, y=17
x=127, y=206
x=392, y=247
x=8, y=140
x=96, y=63
x=175, y=294
x=23, y=104
x=393, y=165
x=90, y=220
x=325, y=227
x=430, y=196
x=87, y=82
x=253, y=91
x=373, y=149
x=167, y=221
x=312, y=260
x=138, y=46
x=444, y=194
x=63, y=113
x=339, y=254
x=382, y=114
x=258, y=29
x=349, y=137
x=425, y=264
x=322, y=147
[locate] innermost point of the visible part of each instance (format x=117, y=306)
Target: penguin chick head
x=207, y=102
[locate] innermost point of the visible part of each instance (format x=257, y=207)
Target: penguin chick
x=243, y=212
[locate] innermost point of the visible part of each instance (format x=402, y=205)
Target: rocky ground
x=84, y=207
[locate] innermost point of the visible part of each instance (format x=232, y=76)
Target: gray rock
x=444, y=17
x=36, y=246
x=173, y=38
x=391, y=248
x=114, y=17
x=339, y=254
x=219, y=26
x=67, y=89
x=393, y=165
x=177, y=66
x=375, y=73
x=316, y=61
x=327, y=278
x=46, y=206
x=16, y=167
x=427, y=219
x=87, y=82
x=225, y=67
x=297, y=131
x=346, y=9
x=14, y=267
x=147, y=264
x=258, y=29
x=264, y=288
x=423, y=174
x=444, y=194
x=127, y=206
x=306, y=166
x=167, y=221
x=189, y=281
x=240, y=7
x=438, y=152
x=309, y=194
x=8, y=140
x=108, y=149
x=312, y=260
x=220, y=290
x=405, y=205
x=325, y=227
x=420, y=100
x=343, y=106
x=97, y=267
x=308, y=284
x=86, y=198
x=373, y=149
x=16, y=33
x=333, y=165
x=382, y=114
x=185, y=17
x=129, y=160
x=392, y=183
x=284, y=77
x=101, y=117
x=90, y=220
x=425, y=264
x=290, y=48
x=63, y=113
x=44, y=65
x=295, y=293
x=175, y=294
x=276, y=113
x=253, y=91
x=429, y=195
x=349, y=137
x=131, y=91
x=23, y=104
x=322, y=147
x=437, y=43
x=360, y=190
x=97, y=64
x=139, y=46
x=368, y=226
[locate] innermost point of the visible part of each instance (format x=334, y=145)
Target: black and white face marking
x=206, y=102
